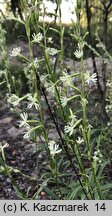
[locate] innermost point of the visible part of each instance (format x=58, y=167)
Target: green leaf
x=75, y=188
x=16, y=19
x=19, y=193
x=73, y=97
x=3, y=154
x=77, y=123
x=106, y=187
x=73, y=195
x=36, y=195
x=27, y=25
x=89, y=134
x=75, y=88
x=62, y=31
x=55, y=30
x=102, y=167
x=51, y=193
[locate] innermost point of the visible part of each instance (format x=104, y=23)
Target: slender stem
x=57, y=180
x=81, y=167
x=96, y=183
x=85, y=130
x=53, y=79
x=63, y=144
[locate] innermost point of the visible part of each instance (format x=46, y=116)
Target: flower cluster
x=69, y=128
x=37, y=38
x=97, y=156
x=66, y=79
x=24, y=119
x=54, y=148
x=52, y=51
x=15, y=52
x=108, y=108
x=79, y=51
x=24, y=123
x=27, y=133
x=50, y=40
x=33, y=101
x=80, y=140
x=90, y=78
x=50, y=86
x=13, y=99
x=64, y=101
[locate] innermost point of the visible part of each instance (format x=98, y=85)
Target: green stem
x=85, y=130
x=57, y=179
x=97, y=183
x=54, y=81
x=81, y=168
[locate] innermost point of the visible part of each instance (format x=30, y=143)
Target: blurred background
x=67, y=8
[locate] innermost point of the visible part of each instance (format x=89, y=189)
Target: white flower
x=108, y=108
x=43, y=79
x=50, y=87
x=37, y=38
x=69, y=128
x=14, y=100
x=33, y=101
x=16, y=51
x=27, y=131
x=80, y=140
x=90, y=78
x=26, y=135
x=54, y=148
x=36, y=63
x=72, y=116
x=79, y=51
x=66, y=79
x=108, y=124
x=97, y=156
x=23, y=122
x=52, y=51
x=72, y=125
x=50, y=40
x=64, y=101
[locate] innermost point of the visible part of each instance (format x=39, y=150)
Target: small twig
x=98, y=8
x=110, y=3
